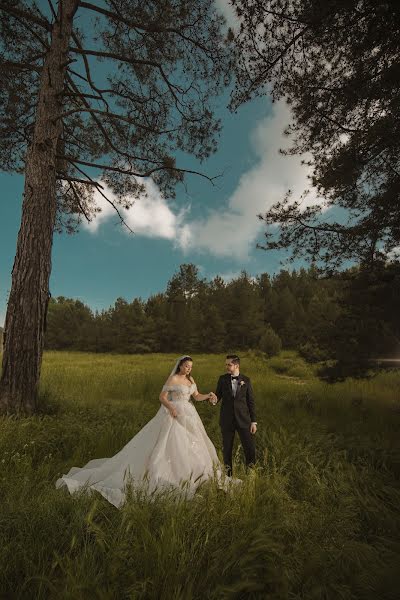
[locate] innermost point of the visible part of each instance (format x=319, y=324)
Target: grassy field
x=317, y=519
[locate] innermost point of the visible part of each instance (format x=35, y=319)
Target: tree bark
x=29, y=295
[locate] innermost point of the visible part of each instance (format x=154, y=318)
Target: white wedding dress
x=168, y=453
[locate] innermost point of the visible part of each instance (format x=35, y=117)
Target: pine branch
x=62, y=177
x=32, y=31
x=29, y=16
x=100, y=126
x=71, y=187
x=88, y=73
x=333, y=121
x=53, y=10
x=127, y=96
x=285, y=17
x=9, y=65
x=116, y=116
x=68, y=94
x=99, y=189
x=106, y=91
x=256, y=82
x=135, y=62
x=93, y=165
x=148, y=27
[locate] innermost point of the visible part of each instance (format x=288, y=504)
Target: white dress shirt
x=234, y=383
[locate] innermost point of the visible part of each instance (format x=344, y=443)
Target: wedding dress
x=167, y=453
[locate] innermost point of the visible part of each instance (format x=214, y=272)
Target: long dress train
x=167, y=453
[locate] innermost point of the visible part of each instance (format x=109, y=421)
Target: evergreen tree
x=103, y=335
x=209, y=324
x=182, y=293
x=349, y=318
x=368, y=323
x=338, y=65
x=156, y=309
x=244, y=313
x=69, y=324
x=270, y=342
x=163, y=63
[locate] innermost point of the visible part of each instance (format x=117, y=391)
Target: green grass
x=290, y=364
x=317, y=519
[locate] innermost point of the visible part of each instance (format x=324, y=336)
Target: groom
x=237, y=412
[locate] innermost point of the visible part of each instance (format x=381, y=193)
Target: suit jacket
x=240, y=407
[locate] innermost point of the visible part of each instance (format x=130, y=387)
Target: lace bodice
x=180, y=391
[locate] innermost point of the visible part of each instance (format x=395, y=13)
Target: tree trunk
x=27, y=305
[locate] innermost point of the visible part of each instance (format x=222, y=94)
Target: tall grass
x=317, y=519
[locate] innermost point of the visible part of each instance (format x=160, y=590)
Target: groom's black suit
x=237, y=413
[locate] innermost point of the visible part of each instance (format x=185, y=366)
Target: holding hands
x=212, y=398
x=172, y=409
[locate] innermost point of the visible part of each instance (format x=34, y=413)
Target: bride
x=172, y=451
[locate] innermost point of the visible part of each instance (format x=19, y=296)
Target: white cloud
x=226, y=9
x=107, y=210
x=150, y=215
x=233, y=229
x=393, y=254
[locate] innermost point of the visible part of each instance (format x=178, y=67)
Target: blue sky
x=214, y=227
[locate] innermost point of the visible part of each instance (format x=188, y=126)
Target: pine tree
x=164, y=62
x=338, y=65
x=182, y=293
x=244, y=311
x=69, y=325
x=156, y=309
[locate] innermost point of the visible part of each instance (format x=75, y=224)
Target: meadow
x=317, y=519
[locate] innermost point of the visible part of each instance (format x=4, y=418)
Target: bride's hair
x=184, y=359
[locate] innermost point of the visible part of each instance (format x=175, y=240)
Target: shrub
x=270, y=342
x=312, y=353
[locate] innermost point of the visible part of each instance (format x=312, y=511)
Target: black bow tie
x=234, y=376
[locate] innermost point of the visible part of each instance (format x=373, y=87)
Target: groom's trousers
x=247, y=441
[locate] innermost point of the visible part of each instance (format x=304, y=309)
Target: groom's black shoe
x=228, y=470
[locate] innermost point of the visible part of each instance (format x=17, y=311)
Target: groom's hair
x=234, y=358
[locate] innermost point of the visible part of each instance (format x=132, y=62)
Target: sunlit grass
x=318, y=518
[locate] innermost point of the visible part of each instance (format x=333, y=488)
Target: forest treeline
x=350, y=317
